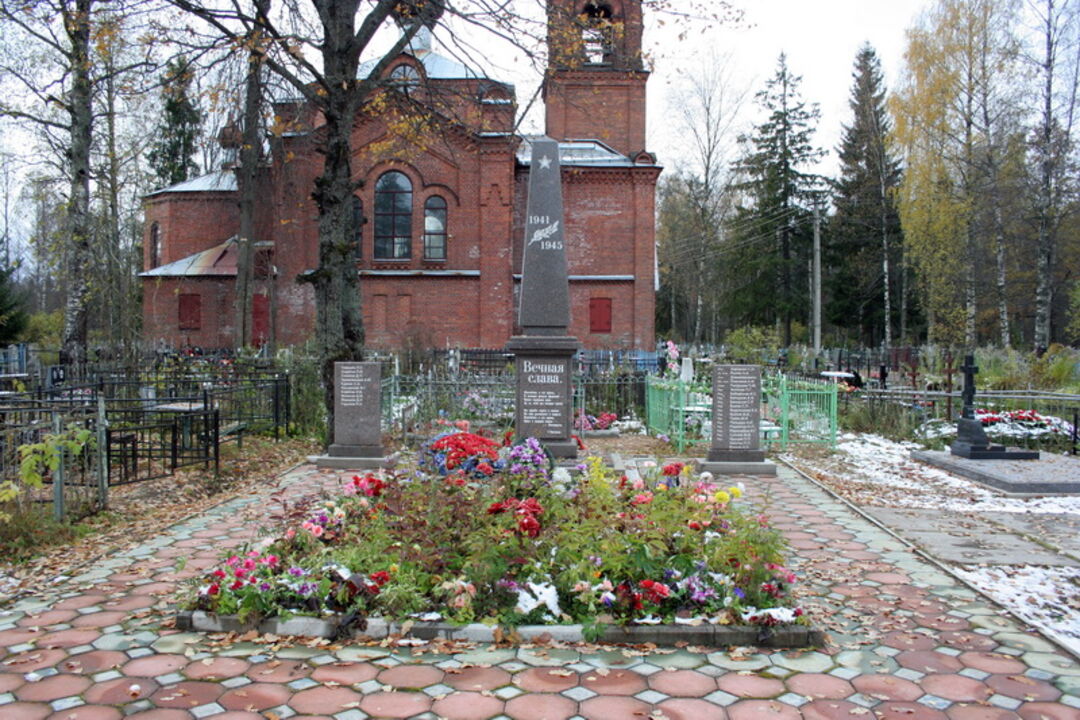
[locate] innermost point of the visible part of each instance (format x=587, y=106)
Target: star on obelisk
x=545, y=162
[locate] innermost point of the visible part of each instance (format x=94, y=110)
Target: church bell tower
x=595, y=83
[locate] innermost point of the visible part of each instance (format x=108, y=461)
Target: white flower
x=561, y=476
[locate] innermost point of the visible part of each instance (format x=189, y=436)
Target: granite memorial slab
x=736, y=423
x=357, y=428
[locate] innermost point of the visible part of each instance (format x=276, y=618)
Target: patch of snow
x=1048, y=597
x=872, y=470
x=537, y=594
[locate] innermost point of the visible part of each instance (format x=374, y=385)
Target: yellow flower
x=721, y=497
x=735, y=492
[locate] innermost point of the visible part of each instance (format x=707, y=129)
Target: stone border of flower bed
x=783, y=636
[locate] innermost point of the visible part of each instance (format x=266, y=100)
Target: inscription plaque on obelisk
x=736, y=421
x=544, y=351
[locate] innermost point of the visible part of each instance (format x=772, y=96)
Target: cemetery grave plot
x=475, y=533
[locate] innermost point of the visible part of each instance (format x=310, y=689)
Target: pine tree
x=12, y=307
x=178, y=132
x=771, y=281
x=865, y=232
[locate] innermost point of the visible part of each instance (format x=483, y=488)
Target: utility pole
x=817, y=280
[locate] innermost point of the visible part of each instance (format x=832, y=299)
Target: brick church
x=438, y=221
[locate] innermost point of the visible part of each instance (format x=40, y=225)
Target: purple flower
x=297, y=572
x=596, y=560
x=739, y=593
x=517, y=468
x=264, y=586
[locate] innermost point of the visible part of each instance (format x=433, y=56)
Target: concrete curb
x=786, y=636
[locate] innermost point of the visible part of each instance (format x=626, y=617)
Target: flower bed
x=479, y=534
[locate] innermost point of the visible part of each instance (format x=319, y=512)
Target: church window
x=357, y=227
x=155, y=245
x=190, y=311
x=393, y=217
x=404, y=77
x=435, y=228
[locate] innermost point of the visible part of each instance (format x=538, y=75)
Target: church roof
x=218, y=181
x=218, y=261
x=436, y=66
x=588, y=153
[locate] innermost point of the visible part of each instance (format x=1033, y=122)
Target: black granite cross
x=969, y=369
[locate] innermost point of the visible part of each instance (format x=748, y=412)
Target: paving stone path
x=909, y=642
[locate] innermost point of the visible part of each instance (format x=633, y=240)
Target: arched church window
x=404, y=77
x=435, y=228
x=358, y=221
x=393, y=216
x=155, y=245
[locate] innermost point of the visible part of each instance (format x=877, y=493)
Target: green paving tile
x=680, y=660
x=361, y=653
x=1052, y=663
x=752, y=663
x=547, y=658
x=482, y=656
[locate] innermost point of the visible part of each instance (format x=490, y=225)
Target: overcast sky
x=820, y=37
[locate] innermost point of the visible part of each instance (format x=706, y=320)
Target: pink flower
x=642, y=499
x=638, y=484
x=249, y=564
x=317, y=531
x=290, y=534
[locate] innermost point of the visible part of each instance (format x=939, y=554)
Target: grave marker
x=971, y=441
x=357, y=427
x=736, y=419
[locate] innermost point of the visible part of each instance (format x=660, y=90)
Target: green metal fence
x=793, y=410
x=677, y=409
x=803, y=410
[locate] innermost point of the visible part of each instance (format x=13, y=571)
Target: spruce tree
x=774, y=232
x=12, y=307
x=864, y=237
x=172, y=155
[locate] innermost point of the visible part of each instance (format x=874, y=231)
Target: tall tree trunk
x=886, y=278
x=1044, y=203
x=339, y=323
x=117, y=267
x=250, y=152
x=1002, y=289
x=80, y=110
x=903, y=299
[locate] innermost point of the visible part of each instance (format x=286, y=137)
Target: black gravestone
x=544, y=352
x=971, y=441
x=357, y=418
x=736, y=418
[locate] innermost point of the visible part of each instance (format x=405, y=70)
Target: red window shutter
x=600, y=315
x=260, y=320
x=190, y=311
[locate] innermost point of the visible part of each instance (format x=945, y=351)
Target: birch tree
x=954, y=114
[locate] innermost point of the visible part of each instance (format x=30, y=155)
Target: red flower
x=485, y=468
x=528, y=525
x=497, y=507
x=655, y=592
x=673, y=468
x=461, y=446
x=214, y=589
x=580, y=444
x=380, y=578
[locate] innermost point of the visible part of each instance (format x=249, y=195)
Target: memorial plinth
x=736, y=420
x=544, y=352
x=971, y=440
x=357, y=418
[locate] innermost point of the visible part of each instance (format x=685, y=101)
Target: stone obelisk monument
x=545, y=350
